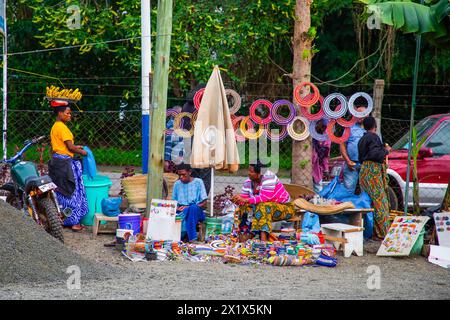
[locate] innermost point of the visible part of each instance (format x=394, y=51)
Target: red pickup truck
x=433, y=163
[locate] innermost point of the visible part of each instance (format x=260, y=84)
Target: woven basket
x=323, y=209
x=171, y=178
x=135, y=188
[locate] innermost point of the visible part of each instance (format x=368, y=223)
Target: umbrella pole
x=212, y=191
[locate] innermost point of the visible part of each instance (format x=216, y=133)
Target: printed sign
x=402, y=236
x=442, y=221
x=161, y=221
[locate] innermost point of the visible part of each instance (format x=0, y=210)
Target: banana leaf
x=409, y=17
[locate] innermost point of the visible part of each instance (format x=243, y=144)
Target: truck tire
x=54, y=225
x=393, y=200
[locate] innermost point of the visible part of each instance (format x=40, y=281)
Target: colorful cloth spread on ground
x=373, y=180
x=226, y=249
x=76, y=206
x=270, y=190
x=259, y=217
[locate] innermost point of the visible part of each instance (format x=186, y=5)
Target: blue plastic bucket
x=131, y=221
x=96, y=190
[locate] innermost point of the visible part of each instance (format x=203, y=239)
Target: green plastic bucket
x=96, y=190
x=213, y=226
x=417, y=248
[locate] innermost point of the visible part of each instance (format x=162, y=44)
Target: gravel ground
x=401, y=278
x=28, y=254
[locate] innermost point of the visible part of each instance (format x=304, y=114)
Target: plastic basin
x=96, y=190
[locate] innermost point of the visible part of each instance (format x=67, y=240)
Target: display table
x=355, y=216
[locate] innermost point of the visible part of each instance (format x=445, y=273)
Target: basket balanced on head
x=135, y=188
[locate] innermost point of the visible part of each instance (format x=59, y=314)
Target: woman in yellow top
x=65, y=171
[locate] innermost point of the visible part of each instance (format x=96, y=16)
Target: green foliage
x=204, y=34
x=411, y=17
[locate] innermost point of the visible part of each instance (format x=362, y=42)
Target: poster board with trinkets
x=442, y=221
x=402, y=235
x=161, y=221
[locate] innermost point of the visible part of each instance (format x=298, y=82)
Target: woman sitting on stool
x=263, y=200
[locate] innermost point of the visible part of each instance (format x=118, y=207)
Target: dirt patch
x=400, y=278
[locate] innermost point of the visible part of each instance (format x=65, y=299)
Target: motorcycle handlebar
x=28, y=144
x=39, y=139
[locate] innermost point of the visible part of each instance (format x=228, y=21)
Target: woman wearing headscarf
x=66, y=171
x=263, y=200
x=373, y=174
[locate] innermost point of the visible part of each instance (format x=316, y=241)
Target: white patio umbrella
x=214, y=144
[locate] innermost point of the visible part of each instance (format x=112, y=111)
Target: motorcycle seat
x=34, y=182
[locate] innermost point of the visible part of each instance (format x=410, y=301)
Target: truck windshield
x=422, y=128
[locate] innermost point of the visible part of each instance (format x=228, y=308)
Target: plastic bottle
x=227, y=224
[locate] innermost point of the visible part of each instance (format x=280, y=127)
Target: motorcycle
x=32, y=193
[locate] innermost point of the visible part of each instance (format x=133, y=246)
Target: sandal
x=77, y=228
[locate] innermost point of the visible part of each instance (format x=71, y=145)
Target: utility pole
x=159, y=102
x=146, y=68
x=4, y=32
x=301, y=71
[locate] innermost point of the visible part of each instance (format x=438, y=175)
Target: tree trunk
x=301, y=71
x=378, y=91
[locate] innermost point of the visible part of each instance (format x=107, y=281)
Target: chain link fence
x=115, y=139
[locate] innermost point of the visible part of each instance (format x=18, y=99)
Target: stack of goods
x=135, y=188
x=339, y=112
x=227, y=249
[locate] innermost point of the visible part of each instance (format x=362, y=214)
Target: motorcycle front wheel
x=53, y=223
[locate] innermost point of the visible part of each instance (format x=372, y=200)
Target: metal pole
x=5, y=85
x=411, y=122
x=212, y=192
x=146, y=67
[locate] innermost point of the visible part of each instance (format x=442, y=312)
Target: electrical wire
x=83, y=45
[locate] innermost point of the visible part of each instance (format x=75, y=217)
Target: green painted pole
x=159, y=102
x=411, y=122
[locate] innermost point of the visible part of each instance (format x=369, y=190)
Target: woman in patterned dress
x=263, y=200
x=373, y=175
x=65, y=171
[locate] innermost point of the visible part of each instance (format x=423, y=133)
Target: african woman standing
x=65, y=170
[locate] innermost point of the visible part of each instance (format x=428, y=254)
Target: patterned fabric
x=262, y=215
x=76, y=206
x=270, y=190
x=373, y=180
x=356, y=133
x=174, y=145
x=186, y=194
x=320, y=158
